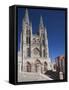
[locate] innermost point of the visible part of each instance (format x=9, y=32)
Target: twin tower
x=34, y=47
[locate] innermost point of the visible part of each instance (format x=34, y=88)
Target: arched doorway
x=45, y=66
x=28, y=67
x=38, y=66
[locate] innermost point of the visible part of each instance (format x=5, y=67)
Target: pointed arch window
x=28, y=40
x=44, y=53
x=43, y=39
x=28, y=37
x=28, y=33
x=28, y=52
x=45, y=66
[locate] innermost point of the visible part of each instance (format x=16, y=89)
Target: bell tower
x=26, y=37
x=44, y=52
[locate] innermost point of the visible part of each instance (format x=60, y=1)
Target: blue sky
x=54, y=20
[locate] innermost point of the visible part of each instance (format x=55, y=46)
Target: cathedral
x=33, y=56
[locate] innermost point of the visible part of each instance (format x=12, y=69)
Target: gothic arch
x=38, y=67
x=28, y=67
x=43, y=52
x=45, y=66
x=37, y=61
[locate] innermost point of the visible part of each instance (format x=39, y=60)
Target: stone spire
x=26, y=16
x=46, y=39
x=46, y=43
x=41, y=22
x=45, y=32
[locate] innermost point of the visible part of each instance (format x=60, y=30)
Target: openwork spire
x=26, y=16
x=41, y=22
x=45, y=31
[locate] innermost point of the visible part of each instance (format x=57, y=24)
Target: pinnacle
x=26, y=16
x=41, y=21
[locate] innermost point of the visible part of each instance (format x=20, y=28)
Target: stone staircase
x=52, y=74
x=28, y=76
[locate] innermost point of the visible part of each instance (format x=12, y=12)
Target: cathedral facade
x=33, y=55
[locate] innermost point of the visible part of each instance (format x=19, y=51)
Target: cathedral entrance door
x=28, y=67
x=38, y=67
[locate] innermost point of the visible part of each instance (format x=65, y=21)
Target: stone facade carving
x=34, y=52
